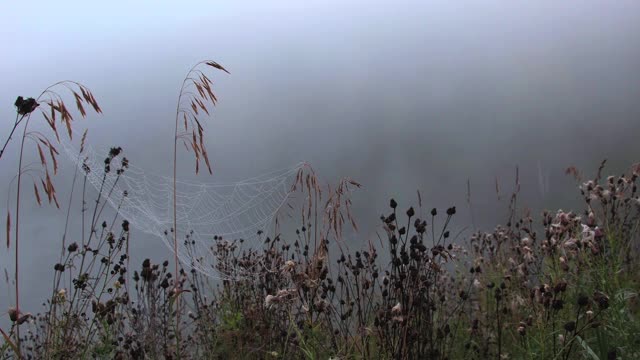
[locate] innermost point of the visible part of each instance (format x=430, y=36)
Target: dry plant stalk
x=336, y=209
x=55, y=109
x=187, y=111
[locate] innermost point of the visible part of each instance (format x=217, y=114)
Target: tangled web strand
x=204, y=211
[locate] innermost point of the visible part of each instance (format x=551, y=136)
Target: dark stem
x=17, y=263
x=15, y=126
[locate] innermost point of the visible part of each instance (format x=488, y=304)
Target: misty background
x=399, y=96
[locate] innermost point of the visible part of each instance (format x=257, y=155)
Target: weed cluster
x=563, y=287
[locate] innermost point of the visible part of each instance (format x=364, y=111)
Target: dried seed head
x=269, y=301
x=397, y=309
x=73, y=247
x=602, y=299
x=477, y=284
x=25, y=106
x=561, y=286
x=13, y=314
x=165, y=283
x=570, y=326
x=583, y=300
x=391, y=218
x=411, y=212
x=557, y=304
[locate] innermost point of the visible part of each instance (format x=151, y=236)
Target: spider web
x=206, y=213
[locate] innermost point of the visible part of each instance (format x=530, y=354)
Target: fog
x=399, y=96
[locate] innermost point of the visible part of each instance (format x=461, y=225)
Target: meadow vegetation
x=557, y=285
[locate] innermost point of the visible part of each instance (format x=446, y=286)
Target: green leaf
x=587, y=348
x=7, y=339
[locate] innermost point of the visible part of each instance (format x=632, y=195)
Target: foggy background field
x=399, y=96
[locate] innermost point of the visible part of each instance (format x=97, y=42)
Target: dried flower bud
x=27, y=106
x=561, y=286
x=393, y=204
x=602, y=299
x=477, y=284
x=583, y=300
x=397, y=309
x=570, y=326
x=557, y=304
x=13, y=314
x=269, y=300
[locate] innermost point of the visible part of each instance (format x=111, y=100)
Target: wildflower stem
x=15, y=126
x=17, y=237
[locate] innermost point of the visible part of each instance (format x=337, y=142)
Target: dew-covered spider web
x=205, y=212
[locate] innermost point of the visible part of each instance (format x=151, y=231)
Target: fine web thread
x=206, y=213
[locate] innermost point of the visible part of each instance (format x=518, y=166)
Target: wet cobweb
x=206, y=212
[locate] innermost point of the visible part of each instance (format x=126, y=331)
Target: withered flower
x=25, y=106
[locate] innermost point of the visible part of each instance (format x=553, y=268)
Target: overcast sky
x=397, y=95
